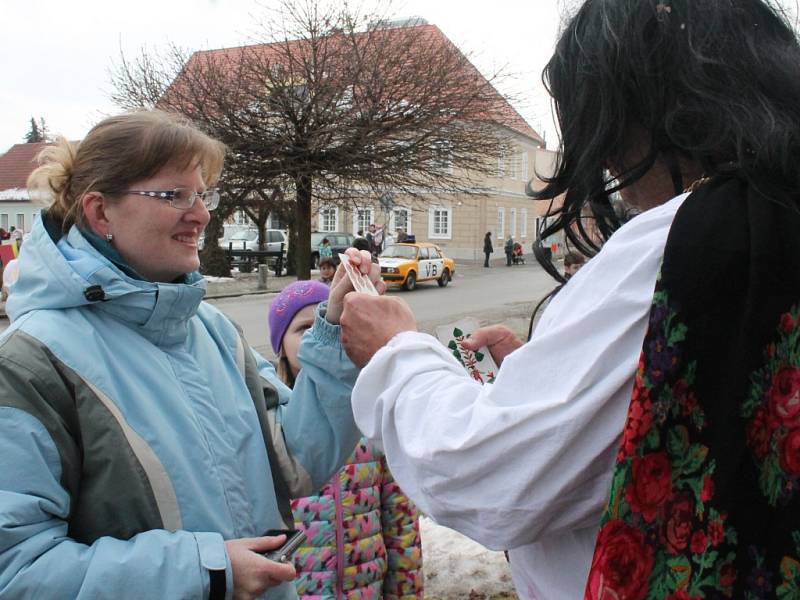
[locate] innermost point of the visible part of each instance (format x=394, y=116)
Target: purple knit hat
x=294, y=297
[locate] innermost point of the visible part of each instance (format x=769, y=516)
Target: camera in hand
x=294, y=539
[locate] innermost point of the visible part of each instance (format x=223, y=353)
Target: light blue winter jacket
x=134, y=424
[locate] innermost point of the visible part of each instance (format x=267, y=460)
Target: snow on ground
x=456, y=567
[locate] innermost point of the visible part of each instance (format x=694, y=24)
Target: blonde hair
x=117, y=152
x=284, y=370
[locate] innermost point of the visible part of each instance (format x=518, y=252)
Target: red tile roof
x=504, y=113
x=17, y=164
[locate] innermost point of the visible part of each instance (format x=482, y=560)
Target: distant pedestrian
x=509, y=248
x=325, y=250
x=401, y=235
x=371, y=238
x=16, y=236
x=487, y=247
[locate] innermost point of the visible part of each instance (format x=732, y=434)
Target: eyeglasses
x=182, y=198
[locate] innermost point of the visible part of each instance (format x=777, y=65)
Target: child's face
x=327, y=271
x=303, y=320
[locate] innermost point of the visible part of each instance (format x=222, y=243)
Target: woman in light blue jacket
x=146, y=448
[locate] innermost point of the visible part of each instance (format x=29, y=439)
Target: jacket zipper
x=337, y=499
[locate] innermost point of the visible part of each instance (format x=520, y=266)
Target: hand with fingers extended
x=341, y=284
x=252, y=573
x=499, y=339
x=369, y=322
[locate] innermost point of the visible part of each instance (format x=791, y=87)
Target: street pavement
x=498, y=294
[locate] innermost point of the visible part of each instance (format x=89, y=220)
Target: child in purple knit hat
x=361, y=507
x=298, y=297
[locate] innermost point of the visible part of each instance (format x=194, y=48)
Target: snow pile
x=213, y=279
x=456, y=567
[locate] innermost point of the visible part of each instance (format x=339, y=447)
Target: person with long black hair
x=645, y=443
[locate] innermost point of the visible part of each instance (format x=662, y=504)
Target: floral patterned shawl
x=705, y=497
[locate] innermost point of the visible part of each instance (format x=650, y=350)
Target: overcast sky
x=55, y=55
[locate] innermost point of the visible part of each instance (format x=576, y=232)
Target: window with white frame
x=400, y=219
x=362, y=219
x=512, y=228
x=4, y=221
x=328, y=218
x=501, y=223
x=440, y=222
x=524, y=225
x=21, y=221
x=524, y=170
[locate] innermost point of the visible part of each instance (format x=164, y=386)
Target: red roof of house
x=17, y=164
x=504, y=113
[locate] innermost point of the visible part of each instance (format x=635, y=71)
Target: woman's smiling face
x=157, y=240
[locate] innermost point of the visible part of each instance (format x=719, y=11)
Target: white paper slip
x=361, y=283
x=478, y=363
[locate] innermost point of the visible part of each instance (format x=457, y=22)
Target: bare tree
x=336, y=106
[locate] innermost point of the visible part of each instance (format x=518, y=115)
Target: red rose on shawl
x=699, y=542
x=640, y=417
x=716, y=531
x=678, y=524
x=708, y=489
x=759, y=432
x=621, y=565
x=787, y=322
x=727, y=575
x=790, y=452
x=651, y=484
x=784, y=396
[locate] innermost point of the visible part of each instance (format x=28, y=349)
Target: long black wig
x=715, y=83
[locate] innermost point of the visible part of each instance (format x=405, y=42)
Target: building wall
x=469, y=216
x=20, y=214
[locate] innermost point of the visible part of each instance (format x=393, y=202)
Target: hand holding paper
x=365, y=274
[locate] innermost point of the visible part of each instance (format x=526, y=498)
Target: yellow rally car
x=406, y=264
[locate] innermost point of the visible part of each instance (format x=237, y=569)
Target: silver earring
x=109, y=236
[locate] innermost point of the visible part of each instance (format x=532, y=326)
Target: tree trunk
x=213, y=260
x=300, y=245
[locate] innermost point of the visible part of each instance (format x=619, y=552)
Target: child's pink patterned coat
x=363, y=535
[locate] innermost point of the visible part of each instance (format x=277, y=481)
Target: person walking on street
x=509, y=248
x=487, y=248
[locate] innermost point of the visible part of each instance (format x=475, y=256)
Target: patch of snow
x=212, y=279
x=457, y=567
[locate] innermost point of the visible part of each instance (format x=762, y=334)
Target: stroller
x=517, y=256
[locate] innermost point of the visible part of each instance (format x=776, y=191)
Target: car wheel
x=411, y=281
x=444, y=279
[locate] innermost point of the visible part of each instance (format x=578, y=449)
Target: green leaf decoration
x=695, y=459
x=457, y=332
x=706, y=560
x=678, y=441
x=680, y=571
x=770, y=478
x=452, y=345
x=479, y=356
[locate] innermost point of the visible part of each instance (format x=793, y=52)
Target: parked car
x=406, y=264
x=247, y=239
x=339, y=241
